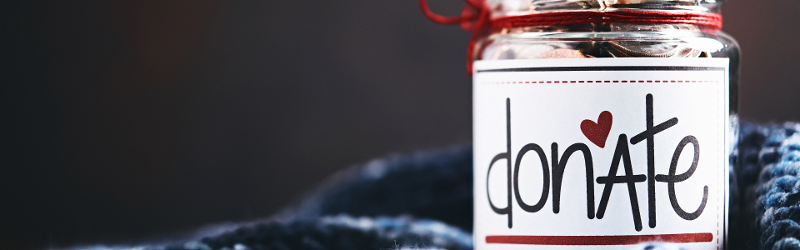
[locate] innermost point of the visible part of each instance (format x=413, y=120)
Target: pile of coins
x=601, y=49
x=628, y=47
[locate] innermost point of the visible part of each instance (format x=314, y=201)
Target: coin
x=526, y=51
x=651, y=49
x=562, y=53
x=642, y=49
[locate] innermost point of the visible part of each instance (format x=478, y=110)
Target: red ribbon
x=476, y=17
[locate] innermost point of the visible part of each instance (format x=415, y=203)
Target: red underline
x=599, y=240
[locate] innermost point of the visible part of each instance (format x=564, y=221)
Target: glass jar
x=609, y=39
x=601, y=130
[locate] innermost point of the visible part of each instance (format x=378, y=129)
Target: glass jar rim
x=501, y=8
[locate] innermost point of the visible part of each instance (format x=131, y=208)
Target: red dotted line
x=601, y=81
x=721, y=150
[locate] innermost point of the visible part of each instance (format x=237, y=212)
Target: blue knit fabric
x=424, y=201
x=415, y=201
x=777, y=190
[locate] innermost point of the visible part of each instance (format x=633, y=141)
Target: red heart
x=597, y=132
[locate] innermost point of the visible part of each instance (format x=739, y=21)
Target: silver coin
x=650, y=49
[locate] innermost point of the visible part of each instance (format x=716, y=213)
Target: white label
x=600, y=153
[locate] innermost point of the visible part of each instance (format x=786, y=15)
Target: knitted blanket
x=424, y=201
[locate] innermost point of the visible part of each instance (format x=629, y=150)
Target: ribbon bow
x=474, y=17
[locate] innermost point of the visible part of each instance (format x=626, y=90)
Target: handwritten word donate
x=597, y=133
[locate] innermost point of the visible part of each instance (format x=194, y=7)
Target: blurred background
x=124, y=120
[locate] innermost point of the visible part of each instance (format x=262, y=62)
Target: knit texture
x=423, y=200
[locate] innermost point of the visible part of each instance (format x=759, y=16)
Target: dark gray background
x=124, y=120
